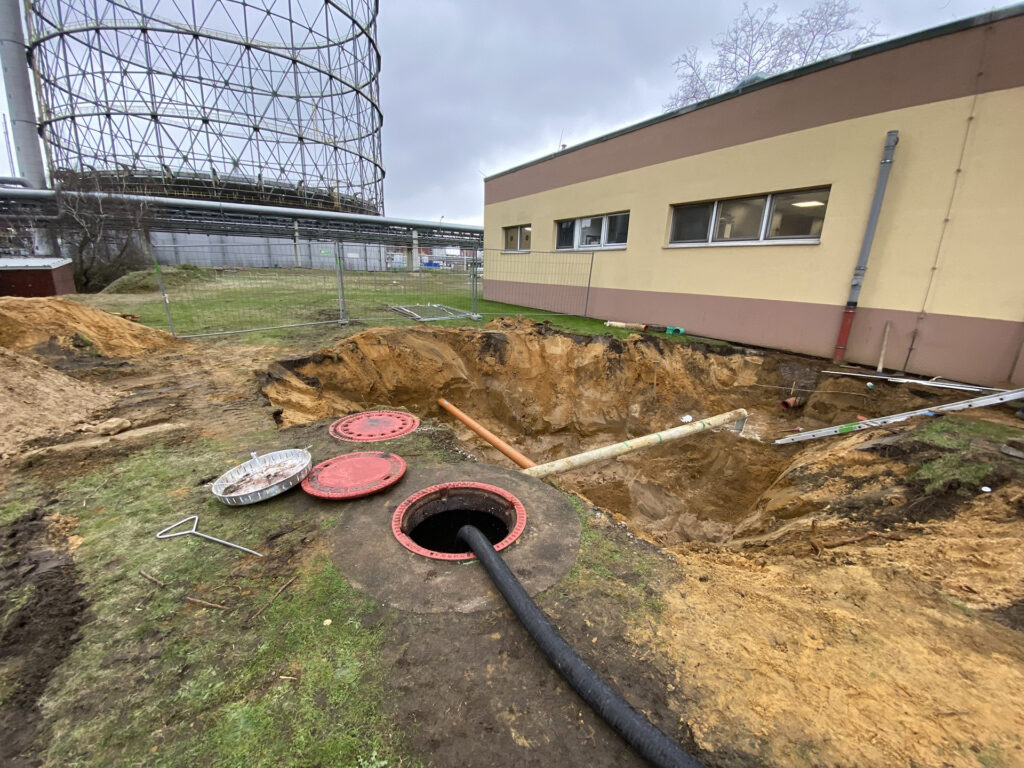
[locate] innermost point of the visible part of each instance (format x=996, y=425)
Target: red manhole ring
x=457, y=495
x=370, y=426
x=354, y=475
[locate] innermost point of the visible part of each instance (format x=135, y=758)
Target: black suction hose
x=653, y=745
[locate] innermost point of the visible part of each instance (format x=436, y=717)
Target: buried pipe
x=642, y=735
x=628, y=446
x=793, y=402
x=626, y=326
x=523, y=461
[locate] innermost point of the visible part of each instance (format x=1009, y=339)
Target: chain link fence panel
x=235, y=285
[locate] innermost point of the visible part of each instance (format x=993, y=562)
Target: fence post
x=339, y=269
x=590, y=275
x=295, y=243
x=160, y=281
x=475, y=282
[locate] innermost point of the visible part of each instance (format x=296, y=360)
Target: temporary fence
x=240, y=288
x=242, y=284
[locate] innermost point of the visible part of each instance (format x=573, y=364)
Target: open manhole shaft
x=427, y=523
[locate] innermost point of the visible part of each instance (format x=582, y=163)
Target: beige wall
x=979, y=251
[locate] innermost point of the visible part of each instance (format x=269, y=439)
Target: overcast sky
x=473, y=87
x=470, y=88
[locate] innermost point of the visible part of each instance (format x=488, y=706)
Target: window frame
x=577, y=228
x=519, y=238
x=763, y=237
x=770, y=211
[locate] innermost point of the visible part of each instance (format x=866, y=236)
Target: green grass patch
x=955, y=432
x=159, y=681
x=952, y=470
x=206, y=301
x=618, y=571
x=15, y=508
x=960, y=467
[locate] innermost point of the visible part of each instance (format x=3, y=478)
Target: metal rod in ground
x=163, y=295
x=628, y=446
x=339, y=273
x=881, y=421
x=639, y=732
x=486, y=434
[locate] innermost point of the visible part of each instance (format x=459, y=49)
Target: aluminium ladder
x=961, y=405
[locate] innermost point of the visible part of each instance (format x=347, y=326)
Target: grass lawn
x=213, y=301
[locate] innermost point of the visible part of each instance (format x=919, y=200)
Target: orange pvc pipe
x=487, y=435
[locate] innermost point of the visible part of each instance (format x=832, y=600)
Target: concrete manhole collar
x=427, y=522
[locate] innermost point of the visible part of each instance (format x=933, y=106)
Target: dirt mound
x=29, y=324
x=36, y=400
x=145, y=280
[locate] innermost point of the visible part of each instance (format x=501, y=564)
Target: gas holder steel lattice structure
x=271, y=102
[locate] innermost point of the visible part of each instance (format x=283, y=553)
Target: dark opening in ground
x=428, y=521
x=438, y=533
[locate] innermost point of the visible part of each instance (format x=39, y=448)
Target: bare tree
x=757, y=43
x=102, y=233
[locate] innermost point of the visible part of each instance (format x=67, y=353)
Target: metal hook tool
x=195, y=524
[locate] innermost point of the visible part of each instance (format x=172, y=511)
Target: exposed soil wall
x=525, y=374
x=554, y=394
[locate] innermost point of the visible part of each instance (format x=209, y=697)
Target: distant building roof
x=32, y=262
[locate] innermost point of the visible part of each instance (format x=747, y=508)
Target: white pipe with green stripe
x=628, y=446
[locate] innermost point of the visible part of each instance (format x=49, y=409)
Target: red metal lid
x=354, y=475
x=370, y=426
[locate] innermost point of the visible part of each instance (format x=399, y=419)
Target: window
x=740, y=219
x=690, y=223
x=618, y=227
x=607, y=231
x=796, y=215
x=590, y=232
x=517, y=238
x=565, y=231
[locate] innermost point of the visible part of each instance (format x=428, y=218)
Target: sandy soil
x=553, y=394
x=27, y=325
x=816, y=607
x=36, y=400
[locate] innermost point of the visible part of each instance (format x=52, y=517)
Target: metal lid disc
x=354, y=475
x=370, y=426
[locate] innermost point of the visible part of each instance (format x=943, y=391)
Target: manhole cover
x=370, y=426
x=427, y=522
x=354, y=475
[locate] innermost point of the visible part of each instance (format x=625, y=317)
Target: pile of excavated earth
x=822, y=588
x=37, y=400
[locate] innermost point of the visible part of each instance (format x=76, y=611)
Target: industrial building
x=742, y=217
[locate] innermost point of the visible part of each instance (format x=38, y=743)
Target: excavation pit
x=552, y=395
x=428, y=522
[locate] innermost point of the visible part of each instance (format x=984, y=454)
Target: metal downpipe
x=892, y=138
